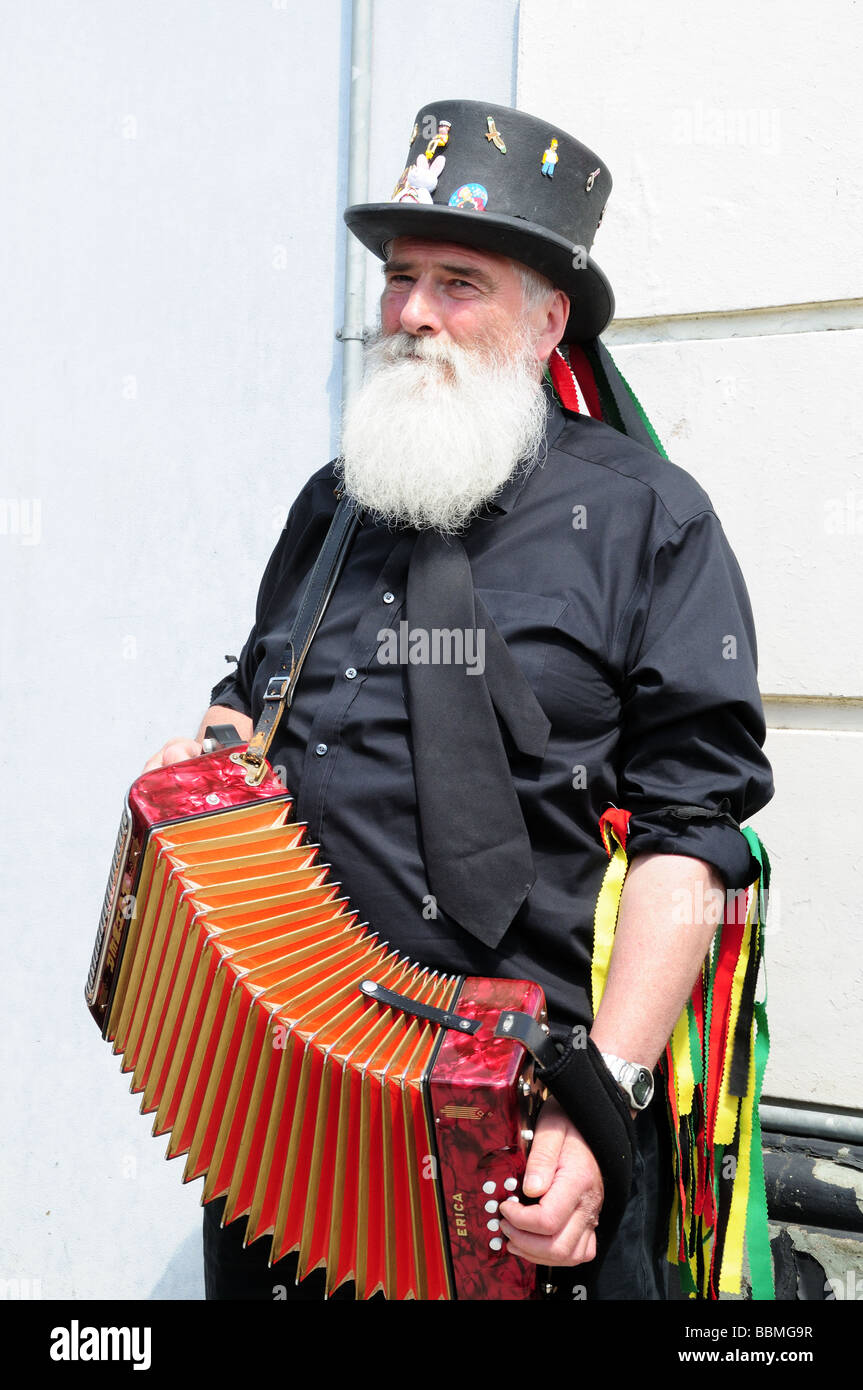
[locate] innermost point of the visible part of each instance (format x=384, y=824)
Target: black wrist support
x=580, y=1081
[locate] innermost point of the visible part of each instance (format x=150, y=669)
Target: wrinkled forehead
x=430, y=251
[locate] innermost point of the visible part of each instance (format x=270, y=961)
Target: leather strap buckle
x=277, y=688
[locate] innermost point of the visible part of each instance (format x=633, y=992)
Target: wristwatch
x=635, y=1081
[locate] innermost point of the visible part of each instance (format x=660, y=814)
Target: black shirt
x=611, y=580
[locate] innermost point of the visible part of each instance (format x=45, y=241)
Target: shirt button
x=351, y=672
x=389, y=598
x=320, y=749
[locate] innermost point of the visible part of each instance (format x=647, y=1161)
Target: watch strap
x=626, y=1074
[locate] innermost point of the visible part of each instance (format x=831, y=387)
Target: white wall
x=173, y=178
x=732, y=240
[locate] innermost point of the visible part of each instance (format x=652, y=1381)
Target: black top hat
x=500, y=180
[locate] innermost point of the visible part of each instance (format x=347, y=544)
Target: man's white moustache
x=402, y=346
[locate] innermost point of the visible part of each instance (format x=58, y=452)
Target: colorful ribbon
x=720, y=1208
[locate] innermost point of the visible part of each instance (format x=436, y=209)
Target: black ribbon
x=476, y=846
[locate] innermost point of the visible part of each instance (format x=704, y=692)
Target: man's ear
x=555, y=325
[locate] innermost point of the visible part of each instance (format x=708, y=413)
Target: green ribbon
x=757, y=1234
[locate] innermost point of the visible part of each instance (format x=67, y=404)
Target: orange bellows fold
x=237, y=1010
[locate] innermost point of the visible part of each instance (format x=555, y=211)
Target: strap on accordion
x=280, y=688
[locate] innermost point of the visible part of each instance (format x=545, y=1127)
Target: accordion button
x=489, y=1187
x=511, y=1184
x=491, y=1206
x=495, y=1243
x=493, y=1225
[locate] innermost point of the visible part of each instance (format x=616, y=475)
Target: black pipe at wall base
x=814, y=1182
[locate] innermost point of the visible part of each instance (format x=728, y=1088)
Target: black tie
x=477, y=851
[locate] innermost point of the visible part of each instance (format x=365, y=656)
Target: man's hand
x=177, y=750
x=563, y=1173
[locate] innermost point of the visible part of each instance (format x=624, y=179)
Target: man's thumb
x=542, y=1161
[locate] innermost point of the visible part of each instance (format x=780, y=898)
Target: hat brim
x=590, y=294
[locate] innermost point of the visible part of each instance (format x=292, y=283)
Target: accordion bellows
x=226, y=972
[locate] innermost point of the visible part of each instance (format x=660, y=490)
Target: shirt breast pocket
x=550, y=641
x=526, y=622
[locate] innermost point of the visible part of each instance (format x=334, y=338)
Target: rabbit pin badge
x=420, y=180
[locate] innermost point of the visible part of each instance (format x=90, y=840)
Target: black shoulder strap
x=281, y=686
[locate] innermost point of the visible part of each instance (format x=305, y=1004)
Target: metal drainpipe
x=352, y=334
x=818, y=1124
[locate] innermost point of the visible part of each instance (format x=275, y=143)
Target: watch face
x=642, y=1087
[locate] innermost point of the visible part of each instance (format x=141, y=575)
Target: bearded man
x=604, y=570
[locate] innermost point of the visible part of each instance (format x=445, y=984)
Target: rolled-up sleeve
x=232, y=693
x=692, y=766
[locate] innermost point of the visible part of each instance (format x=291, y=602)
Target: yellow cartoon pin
x=549, y=158
x=438, y=141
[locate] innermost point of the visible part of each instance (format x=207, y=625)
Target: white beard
x=437, y=429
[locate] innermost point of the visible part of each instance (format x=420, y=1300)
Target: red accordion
x=347, y=1103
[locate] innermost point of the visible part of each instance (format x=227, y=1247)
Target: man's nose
x=420, y=313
